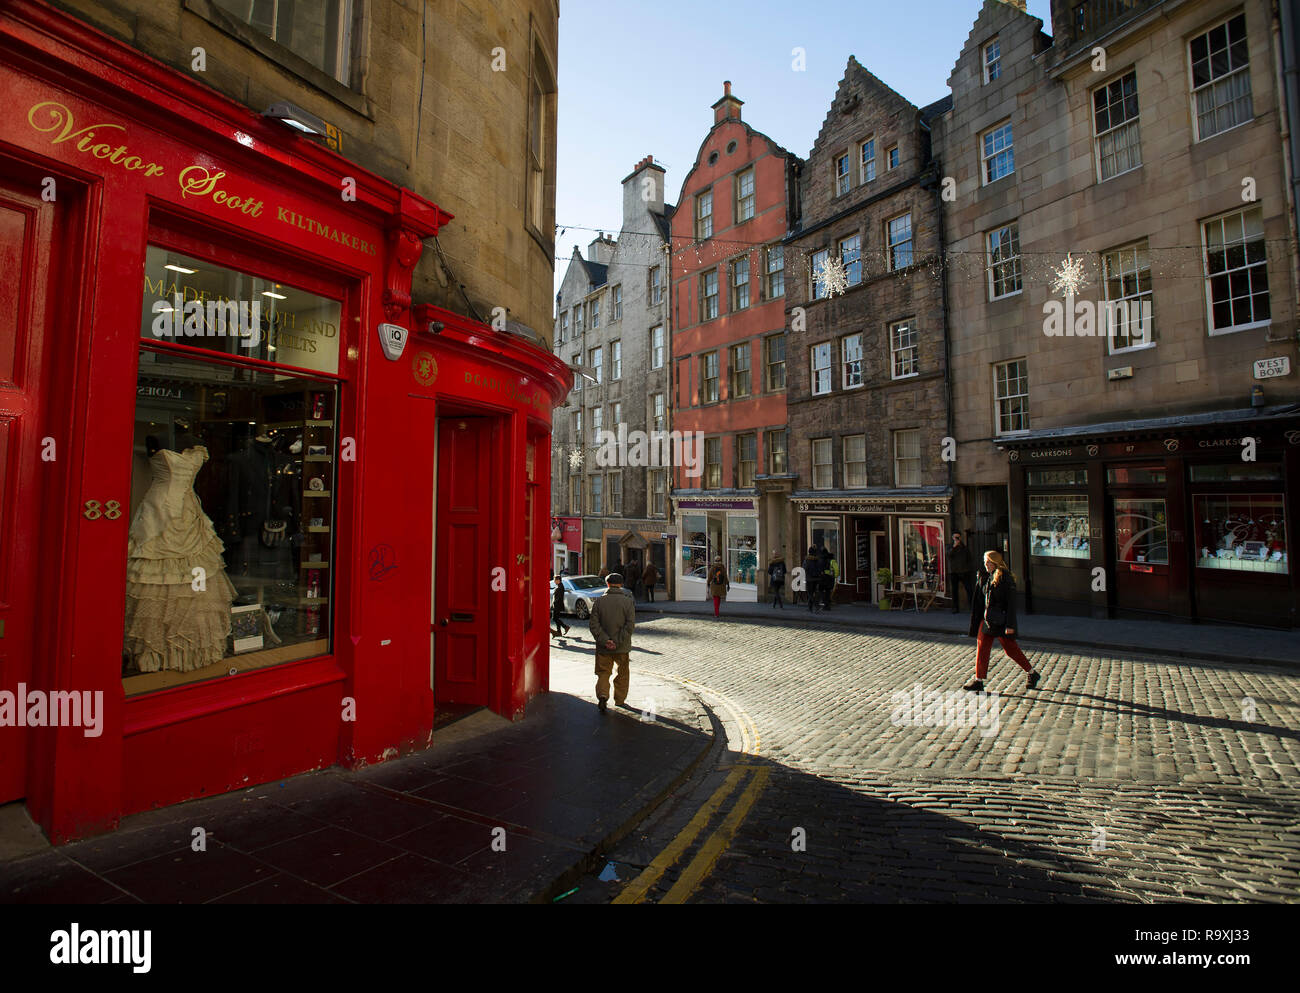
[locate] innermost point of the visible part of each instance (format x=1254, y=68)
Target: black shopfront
x=1182, y=519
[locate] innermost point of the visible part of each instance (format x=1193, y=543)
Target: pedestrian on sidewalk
x=776, y=578
x=648, y=580
x=993, y=615
x=557, y=606
x=719, y=583
x=830, y=576
x=960, y=569
x=812, y=574
x=613, y=616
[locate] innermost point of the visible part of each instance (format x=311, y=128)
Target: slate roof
x=939, y=107
x=596, y=272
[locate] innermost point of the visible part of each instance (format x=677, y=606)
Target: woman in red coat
x=993, y=615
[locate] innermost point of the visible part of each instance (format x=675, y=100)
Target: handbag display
x=274, y=532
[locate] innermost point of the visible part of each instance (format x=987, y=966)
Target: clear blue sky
x=637, y=78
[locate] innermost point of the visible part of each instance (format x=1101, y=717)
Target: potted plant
x=885, y=577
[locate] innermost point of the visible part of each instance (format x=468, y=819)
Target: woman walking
x=719, y=583
x=993, y=615
x=648, y=580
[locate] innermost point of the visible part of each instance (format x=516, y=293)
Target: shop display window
x=1140, y=531
x=742, y=549
x=1244, y=533
x=922, y=548
x=233, y=472
x=1058, y=526
x=695, y=546
x=232, y=514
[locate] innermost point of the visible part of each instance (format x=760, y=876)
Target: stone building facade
x=1126, y=465
x=867, y=389
x=470, y=126
x=611, y=325
x=729, y=354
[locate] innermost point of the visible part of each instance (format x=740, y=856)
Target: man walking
x=613, y=617
x=959, y=571
x=776, y=578
x=812, y=573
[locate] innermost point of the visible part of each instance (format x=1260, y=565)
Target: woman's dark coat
x=1001, y=596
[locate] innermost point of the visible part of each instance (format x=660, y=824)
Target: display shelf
x=317, y=529
x=318, y=424
x=318, y=458
x=315, y=493
x=314, y=565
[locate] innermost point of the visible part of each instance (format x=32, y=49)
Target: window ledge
x=281, y=56
x=1258, y=325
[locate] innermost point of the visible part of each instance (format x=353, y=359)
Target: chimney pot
x=726, y=87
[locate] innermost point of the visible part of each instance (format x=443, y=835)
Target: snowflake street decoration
x=1070, y=279
x=831, y=277
x=575, y=458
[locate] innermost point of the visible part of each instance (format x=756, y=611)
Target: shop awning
x=1245, y=418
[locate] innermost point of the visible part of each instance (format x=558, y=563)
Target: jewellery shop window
x=232, y=491
x=1241, y=532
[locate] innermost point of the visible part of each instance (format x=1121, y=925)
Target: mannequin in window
x=172, y=548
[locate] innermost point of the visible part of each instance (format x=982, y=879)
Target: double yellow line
x=702, y=864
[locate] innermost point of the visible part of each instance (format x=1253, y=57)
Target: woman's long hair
x=999, y=567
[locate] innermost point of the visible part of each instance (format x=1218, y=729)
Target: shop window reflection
x=922, y=552
x=1058, y=526
x=742, y=549
x=1140, y=531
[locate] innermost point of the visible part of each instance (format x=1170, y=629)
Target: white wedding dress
x=169, y=624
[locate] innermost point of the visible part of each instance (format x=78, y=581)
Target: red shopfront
x=262, y=540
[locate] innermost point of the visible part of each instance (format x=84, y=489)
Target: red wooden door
x=464, y=563
x=26, y=224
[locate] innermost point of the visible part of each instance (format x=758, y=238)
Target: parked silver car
x=580, y=592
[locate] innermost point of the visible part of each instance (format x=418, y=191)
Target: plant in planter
x=885, y=578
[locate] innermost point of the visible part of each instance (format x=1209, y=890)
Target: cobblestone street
x=1119, y=778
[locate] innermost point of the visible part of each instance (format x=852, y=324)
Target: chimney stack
x=643, y=191
x=728, y=106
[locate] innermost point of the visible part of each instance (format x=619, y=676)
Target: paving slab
x=492, y=811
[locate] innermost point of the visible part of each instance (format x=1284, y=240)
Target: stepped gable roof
x=978, y=30
x=857, y=84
